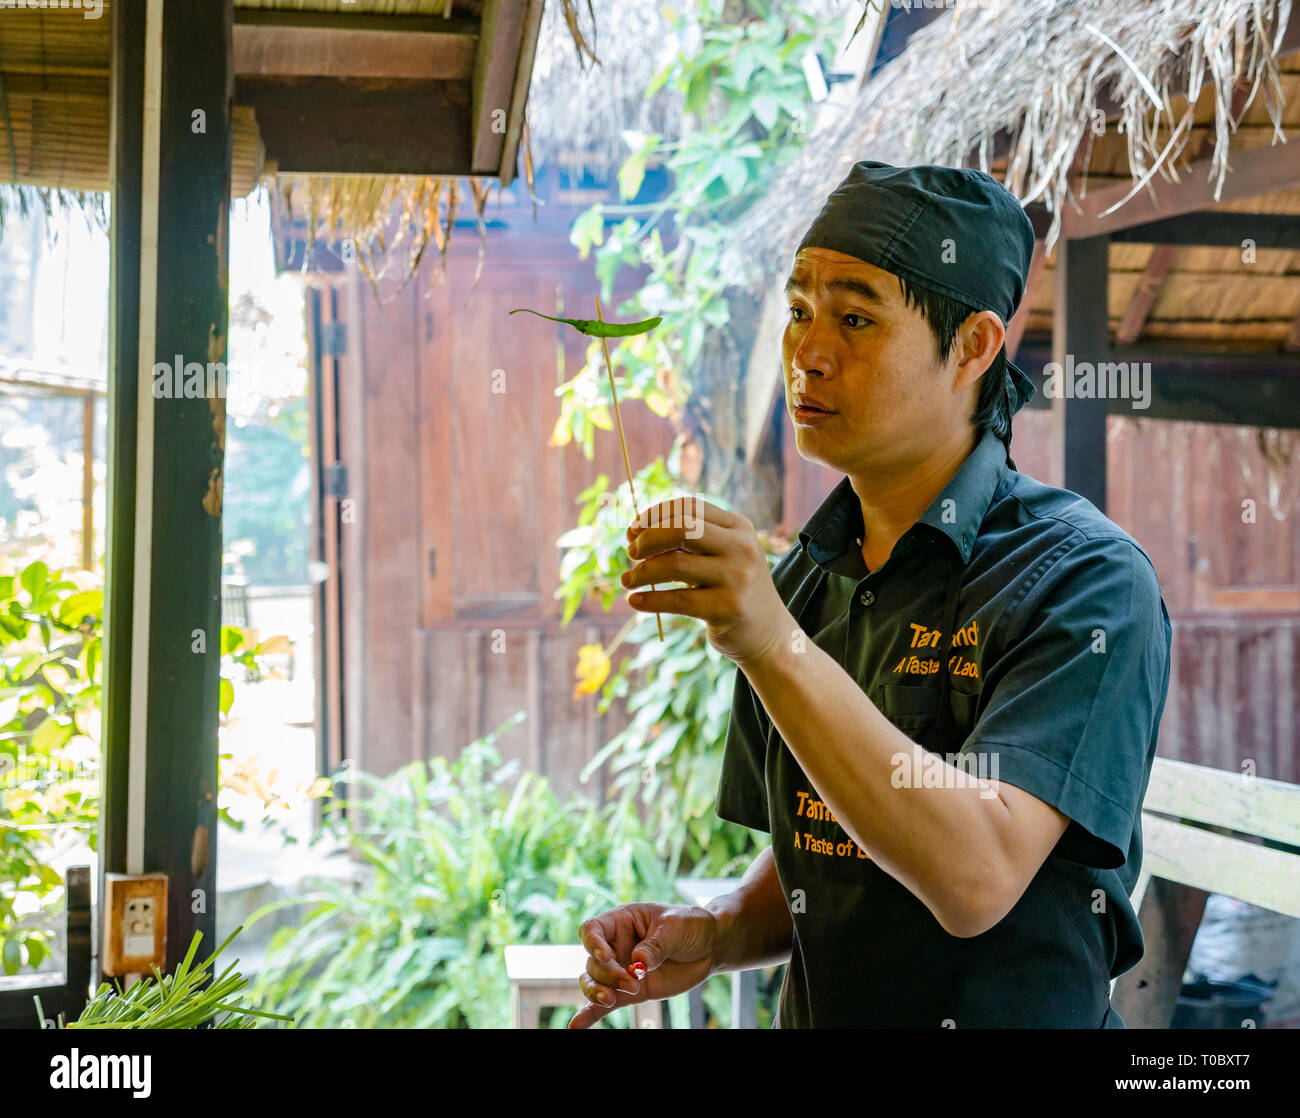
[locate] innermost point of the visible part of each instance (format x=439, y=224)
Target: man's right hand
x=677, y=944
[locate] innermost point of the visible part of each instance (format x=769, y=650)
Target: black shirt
x=1017, y=631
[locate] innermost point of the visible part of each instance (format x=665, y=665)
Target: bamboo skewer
x=627, y=466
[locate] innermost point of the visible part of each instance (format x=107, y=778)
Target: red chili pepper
x=637, y=970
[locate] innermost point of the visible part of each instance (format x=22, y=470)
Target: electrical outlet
x=135, y=929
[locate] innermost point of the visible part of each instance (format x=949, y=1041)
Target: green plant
x=51, y=626
x=173, y=1001
x=49, y=732
x=463, y=857
x=669, y=757
x=747, y=103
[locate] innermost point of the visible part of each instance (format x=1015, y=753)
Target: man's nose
x=812, y=357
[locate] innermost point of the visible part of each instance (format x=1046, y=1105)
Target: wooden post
x=1147, y=996
x=172, y=85
x=88, y=481
x=1080, y=333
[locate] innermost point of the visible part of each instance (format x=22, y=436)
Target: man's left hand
x=720, y=558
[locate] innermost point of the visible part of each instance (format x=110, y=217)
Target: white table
x=544, y=975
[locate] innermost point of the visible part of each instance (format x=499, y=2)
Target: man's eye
x=796, y=311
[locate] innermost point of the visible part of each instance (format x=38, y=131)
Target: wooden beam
x=1260, y=170
x=353, y=22
x=88, y=482
x=1153, y=276
x=125, y=162
x=506, y=42
x=302, y=44
x=519, y=96
x=1201, y=228
x=1081, y=334
x=1291, y=343
x=1218, y=229
x=335, y=127
x=163, y=808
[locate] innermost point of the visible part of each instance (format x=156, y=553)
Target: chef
x=949, y=689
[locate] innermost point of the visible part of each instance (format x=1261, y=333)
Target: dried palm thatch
x=586, y=91
x=90, y=204
x=579, y=113
x=385, y=222
x=1036, y=70
x=389, y=220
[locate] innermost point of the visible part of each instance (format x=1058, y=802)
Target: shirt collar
x=837, y=523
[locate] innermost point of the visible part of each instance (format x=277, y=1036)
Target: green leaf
x=766, y=110
x=596, y=329
x=75, y=607
x=226, y=696
x=631, y=175
x=50, y=735
x=34, y=577
x=588, y=229
x=744, y=68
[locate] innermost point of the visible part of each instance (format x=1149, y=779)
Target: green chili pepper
x=594, y=328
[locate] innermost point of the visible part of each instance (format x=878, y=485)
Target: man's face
x=855, y=346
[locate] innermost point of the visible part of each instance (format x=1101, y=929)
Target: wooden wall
x=447, y=403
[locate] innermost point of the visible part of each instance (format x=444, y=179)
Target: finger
x=677, y=566
x=610, y=975
x=592, y=936
x=588, y=1015
x=702, y=538
x=597, y=993
x=702, y=602
x=685, y=511
x=650, y=950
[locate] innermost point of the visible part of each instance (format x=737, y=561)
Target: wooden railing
x=1204, y=831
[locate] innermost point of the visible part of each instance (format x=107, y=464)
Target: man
x=949, y=688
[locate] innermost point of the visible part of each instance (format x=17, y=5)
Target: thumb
x=652, y=951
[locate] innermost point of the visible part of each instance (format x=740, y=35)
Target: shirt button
x=867, y=598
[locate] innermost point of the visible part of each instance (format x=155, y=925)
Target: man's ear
x=979, y=341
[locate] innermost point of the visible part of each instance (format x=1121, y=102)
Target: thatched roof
x=1036, y=70
x=590, y=73
x=54, y=107
x=578, y=111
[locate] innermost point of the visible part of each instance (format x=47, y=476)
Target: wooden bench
x=1183, y=863
x=548, y=975
x=544, y=975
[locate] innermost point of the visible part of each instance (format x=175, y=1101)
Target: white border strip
x=144, y=465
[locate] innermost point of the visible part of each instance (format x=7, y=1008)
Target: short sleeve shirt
x=1018, y=633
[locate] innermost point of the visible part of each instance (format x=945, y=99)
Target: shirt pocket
x=910, y=707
